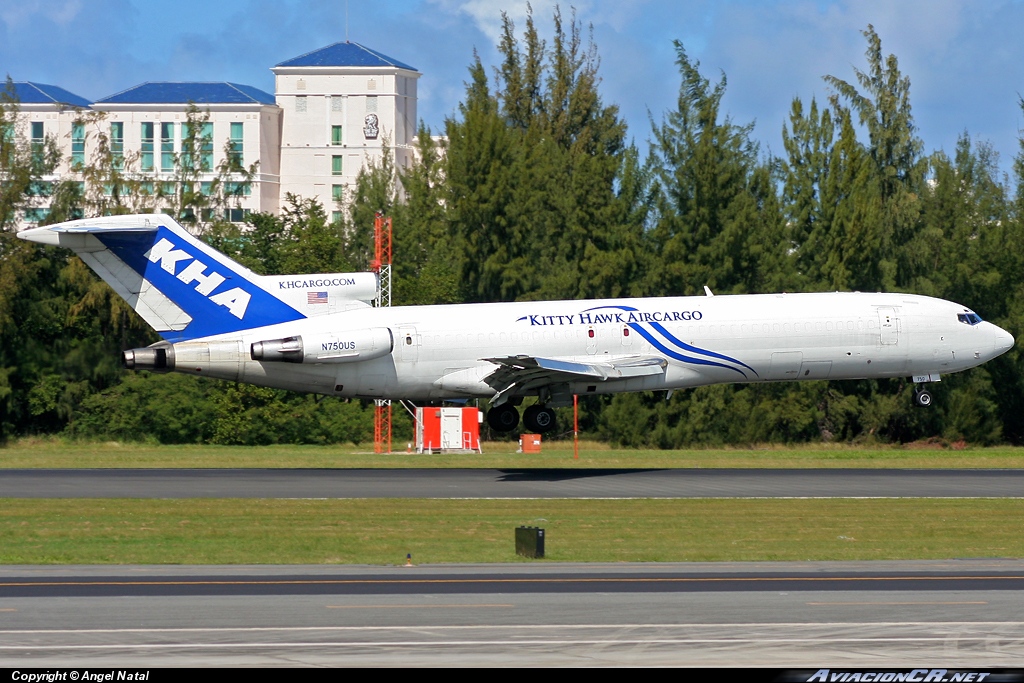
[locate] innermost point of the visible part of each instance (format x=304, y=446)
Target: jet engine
x=342, y=347
x=158, y=358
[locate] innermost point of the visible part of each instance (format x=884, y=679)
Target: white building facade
x=335, y=110
x=342, y=106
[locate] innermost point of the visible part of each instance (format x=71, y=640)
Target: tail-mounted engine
x=158, y=358
x=344, y=347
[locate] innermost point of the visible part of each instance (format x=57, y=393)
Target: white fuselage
x=440, y=351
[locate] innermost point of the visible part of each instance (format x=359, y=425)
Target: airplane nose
x=1003, y=341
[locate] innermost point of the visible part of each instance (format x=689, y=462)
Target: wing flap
x=530, y=372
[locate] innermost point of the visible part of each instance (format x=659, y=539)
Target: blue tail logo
x=210, y=288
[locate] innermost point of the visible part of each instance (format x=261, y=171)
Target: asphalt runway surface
x=964, y=613
x=525, y=483
x=949, y=614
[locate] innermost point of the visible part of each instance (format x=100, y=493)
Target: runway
x=961, y=613
x=524, y=483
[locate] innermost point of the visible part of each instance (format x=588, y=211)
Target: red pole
x=575, y=427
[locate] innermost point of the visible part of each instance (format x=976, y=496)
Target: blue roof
x=345, y=54
x=183, y=93
x=40, y=93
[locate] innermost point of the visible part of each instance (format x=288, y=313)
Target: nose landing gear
x=922, y=397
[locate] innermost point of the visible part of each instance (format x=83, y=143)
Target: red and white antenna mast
x=382, y=266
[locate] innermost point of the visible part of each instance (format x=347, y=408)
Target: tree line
x=537, y=192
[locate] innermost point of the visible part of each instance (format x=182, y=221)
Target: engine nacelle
x=340, y=347
x=153, y=358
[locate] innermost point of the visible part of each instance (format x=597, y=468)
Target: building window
x=236, y=144
x=167, y=147
x=300, y=104
x=36, y=215
x=200, y=145
x=336, y=216
x=117, y=143
x=206, y=189
x=234, y=189
x=336, y=135
x=371, y=104
x=38, y=137
x=146, y=159
x=336, y=166
x=338, y=193
x=206, y=147
x=77, y=146
x=39, y=188
x=236, y=215
x=336, y=103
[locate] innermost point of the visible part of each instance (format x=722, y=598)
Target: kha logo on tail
x=236, y=300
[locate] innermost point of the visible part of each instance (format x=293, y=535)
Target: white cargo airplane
x=318, y=333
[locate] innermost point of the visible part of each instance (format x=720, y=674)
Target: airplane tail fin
x=182, y=287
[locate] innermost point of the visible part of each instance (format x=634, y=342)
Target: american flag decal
x=316, y=297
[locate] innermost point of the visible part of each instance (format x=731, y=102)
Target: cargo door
x=785, y=365
x=889, y=324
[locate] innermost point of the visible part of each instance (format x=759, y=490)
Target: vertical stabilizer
x=181, y=286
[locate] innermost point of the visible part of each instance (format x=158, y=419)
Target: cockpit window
x=969, y=318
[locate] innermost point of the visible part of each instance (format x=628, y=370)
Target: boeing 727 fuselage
x=318, y=333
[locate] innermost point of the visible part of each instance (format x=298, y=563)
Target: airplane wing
x=529, y=372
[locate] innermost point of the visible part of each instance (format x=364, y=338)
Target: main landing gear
x=539, y=419
x=922, y=397
x=505, y=418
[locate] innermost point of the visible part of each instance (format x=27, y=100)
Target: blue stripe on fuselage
x=678, y=356
x=681, y=344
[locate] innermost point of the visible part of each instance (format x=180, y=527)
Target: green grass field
x=218, y=531
x=55, y=453
x=382, y=531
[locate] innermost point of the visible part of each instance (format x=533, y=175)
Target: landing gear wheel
x=503, y=418
x=922, y=398
x=539, y=419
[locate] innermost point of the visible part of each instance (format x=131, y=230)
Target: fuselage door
x=889, y=324
x=409, y=342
